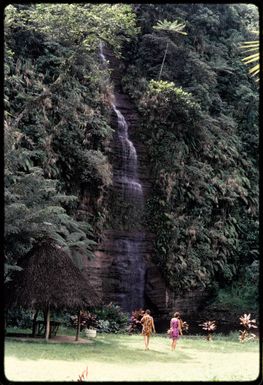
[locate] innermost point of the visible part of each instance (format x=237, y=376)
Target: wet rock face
x=118, y=271
x=122, y=265
x=122, y=271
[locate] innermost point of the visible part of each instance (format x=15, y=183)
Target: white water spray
x=129, y=248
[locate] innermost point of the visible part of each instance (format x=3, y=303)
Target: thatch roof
x=50, y=277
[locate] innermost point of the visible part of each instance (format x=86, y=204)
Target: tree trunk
x=34, y=323
x=164, y=56
x=47, y=323
x=78, y=327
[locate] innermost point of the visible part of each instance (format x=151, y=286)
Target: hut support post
x=78, y=327
x=47, y=323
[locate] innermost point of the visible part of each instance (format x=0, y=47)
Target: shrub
x=110, y=318
x=19, y=318
x=104, y=326
x=135, y=321
x=169, y=103
x=243, y=293
x=87, y=320
x=247, y=324
x=209, y=326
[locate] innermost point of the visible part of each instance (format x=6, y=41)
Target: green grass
x=120, y=357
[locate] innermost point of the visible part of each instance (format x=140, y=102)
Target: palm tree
x=168, y=26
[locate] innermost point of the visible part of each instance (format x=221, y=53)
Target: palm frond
x=252, y=42
x=172, y=26
x=254, y=70
x=252, y=46
x=248, y=50
x=254, y=57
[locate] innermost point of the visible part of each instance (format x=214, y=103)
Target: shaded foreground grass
x=122, y=357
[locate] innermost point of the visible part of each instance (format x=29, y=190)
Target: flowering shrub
x=135, y=320
x=87, y=320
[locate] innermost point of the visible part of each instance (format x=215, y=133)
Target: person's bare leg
x=145, y=342
x=148, y=340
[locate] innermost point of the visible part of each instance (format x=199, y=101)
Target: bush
x=87, y=320
x=111, y=319
x=169, y=104
x=242, y=295
x=19, y=318
x=135, y=321
x=105, y=326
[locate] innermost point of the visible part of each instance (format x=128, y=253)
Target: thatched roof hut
x=50, y=280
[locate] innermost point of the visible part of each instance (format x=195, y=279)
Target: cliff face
x=123, y=271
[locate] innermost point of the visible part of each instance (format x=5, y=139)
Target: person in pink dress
x=175, y=329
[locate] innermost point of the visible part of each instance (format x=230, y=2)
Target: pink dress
x=174, y=334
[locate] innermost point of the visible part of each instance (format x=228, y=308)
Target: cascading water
x=129, y=263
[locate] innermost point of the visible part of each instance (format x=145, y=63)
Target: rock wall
x=105, y=270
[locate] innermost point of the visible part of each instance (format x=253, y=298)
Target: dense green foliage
x=57, y=123
x=111, y=319
x=200, y=124
x=198, y=107
x=105, y=319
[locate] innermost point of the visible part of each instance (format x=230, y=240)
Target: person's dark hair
x=147, y=311
x=177, y=314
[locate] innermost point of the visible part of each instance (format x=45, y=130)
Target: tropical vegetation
x=199, y=119
x=200, y=125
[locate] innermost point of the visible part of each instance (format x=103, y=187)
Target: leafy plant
x=241, y=294
x=209, y=326
x=247, y=323
x=83, y=375
x=87, y=320
x=105, y=326
x=19, y=318
x=111, y=318
x=135, y=321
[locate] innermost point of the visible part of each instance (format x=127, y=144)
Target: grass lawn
x=120, y=357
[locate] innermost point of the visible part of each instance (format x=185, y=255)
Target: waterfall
x=129, y=262
x=127, y=176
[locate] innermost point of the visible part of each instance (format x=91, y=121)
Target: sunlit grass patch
x=120, y=357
